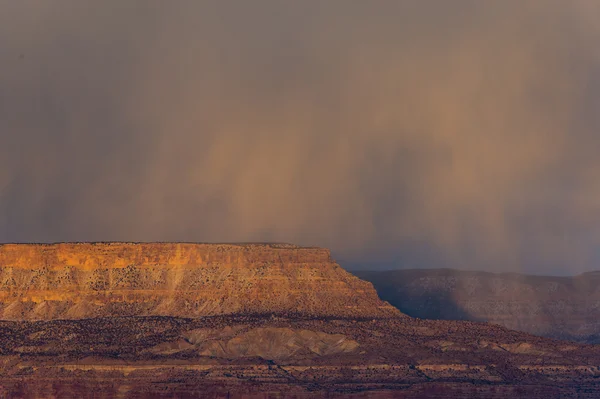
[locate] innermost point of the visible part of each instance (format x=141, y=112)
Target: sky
x=398, y=134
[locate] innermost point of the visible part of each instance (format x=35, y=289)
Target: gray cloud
x=431, y=133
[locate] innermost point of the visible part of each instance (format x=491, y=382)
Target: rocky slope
x=267, y=357
x=558, y=307
x=83, y=280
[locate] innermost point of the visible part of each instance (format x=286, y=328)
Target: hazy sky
x=415, y=133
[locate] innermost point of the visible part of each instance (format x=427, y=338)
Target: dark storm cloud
x=459, y=133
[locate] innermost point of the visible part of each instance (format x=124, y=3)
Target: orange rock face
x=82, y=280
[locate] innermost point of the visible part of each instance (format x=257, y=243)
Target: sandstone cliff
x=82, y=280
x=557, y=307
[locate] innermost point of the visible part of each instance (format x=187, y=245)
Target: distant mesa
x=551, y=306
x=84, y=280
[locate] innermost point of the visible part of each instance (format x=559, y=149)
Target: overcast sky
x=397, y=133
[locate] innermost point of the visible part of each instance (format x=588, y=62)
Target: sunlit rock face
x=82, y=280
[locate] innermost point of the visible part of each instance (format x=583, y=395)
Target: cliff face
x=557, y=307
x=82, y=280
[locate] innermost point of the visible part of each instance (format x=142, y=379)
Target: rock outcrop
x=557, y=307
x=83, y=280
x=270, y=343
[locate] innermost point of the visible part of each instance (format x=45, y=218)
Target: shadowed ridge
x=561, y=307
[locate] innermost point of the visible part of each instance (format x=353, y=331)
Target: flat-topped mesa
x=83, y=280
x=90, y=256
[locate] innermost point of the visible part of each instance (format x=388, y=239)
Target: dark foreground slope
x=230, y=356
x=557, y=307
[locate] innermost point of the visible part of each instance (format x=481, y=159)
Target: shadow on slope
x=434, y=303
x=556, y=307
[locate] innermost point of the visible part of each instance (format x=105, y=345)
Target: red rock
x=82, y=280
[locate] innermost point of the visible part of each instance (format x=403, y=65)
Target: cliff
x=83, y=280
x=557, y=307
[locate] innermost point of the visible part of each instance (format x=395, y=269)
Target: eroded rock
x=265, y=342
x=76, y=281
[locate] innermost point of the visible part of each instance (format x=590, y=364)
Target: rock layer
x=83, y=280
